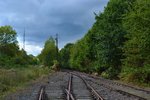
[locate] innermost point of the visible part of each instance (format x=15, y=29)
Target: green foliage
x=136, y=75
x=13, y=78
x=137, y=48
x=81, y=57
x=65, y=55
x=137, y=23
x=7, y=35
x=117, y=44
x=8, y=42
x=10, y=55
x=23, y=59
x=49, y=53
x=101, y=48
x=5, y=60
x=77, y=55
x=110, y=36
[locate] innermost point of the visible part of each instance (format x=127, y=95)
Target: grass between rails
x=13, y=79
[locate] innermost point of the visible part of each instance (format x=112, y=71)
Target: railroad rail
x=78, y=86
x=95, y=94
x=120, y=91
x=93, y=91
x=68, y=90
x=42, y=94
x=116, y=83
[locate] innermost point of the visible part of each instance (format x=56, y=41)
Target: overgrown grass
x=139, y=76
x=12, y=79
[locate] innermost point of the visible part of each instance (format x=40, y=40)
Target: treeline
x=118, y=44
x=10, y=54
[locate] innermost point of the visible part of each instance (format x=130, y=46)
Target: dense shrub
x=134, y=74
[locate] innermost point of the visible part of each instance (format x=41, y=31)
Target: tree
x=109, y=33
x=48, y=54
x=81, y=55
x=7, y=35
x=136, y=63
x=8, y=41
x=101, y=48
x=65, y=55
x=137, y=24
x=8, y=45
x=9, y=49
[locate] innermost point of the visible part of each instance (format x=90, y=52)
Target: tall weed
x=12, y=78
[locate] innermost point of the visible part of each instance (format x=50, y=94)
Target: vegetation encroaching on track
x=13, y=79
x=14, y=63
x=118, y=44
x=17, y=67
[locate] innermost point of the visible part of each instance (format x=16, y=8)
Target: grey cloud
x=44, y=18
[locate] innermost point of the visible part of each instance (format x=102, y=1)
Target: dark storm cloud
x=71, y=19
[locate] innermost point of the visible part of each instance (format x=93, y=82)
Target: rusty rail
x=92, y=90
x=68, y=90
x=42, y=94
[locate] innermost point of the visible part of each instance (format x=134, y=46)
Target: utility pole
x=24, y=39
x=56, y=39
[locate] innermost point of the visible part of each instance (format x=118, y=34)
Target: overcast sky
x=71, y=19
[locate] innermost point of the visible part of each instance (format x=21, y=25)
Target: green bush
x=134, y=74
x=4, y=60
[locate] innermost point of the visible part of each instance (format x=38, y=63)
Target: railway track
x=42, y=95
x=139, y=93
x=95, y=95
x=77, y=86
x=116, y=83
x=112, y=90
x=69, y=94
